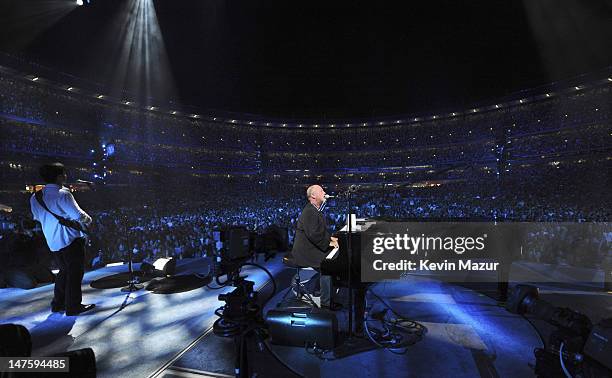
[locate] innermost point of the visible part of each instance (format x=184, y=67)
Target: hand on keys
x=334, y=242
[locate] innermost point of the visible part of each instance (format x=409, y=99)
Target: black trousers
x=68, y=281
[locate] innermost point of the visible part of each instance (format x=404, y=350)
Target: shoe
x=333, y=306
x=57, y=308
x=79, y=310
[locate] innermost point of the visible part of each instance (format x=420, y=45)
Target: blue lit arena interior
x=176, y=174
x=545, y=155
x=542, y=157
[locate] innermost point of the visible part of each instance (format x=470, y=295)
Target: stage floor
x=133, y=335
x=168, y=335
x=467, y=335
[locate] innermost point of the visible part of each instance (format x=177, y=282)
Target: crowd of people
x=182, y=225
x=539, y=162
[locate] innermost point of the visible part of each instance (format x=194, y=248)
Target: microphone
x=328, y=196
x=84, y=182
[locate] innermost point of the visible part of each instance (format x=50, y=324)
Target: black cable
x=254, y=328
x=314, y=350
x=215, y=288
x=269, y=275
x=395, y=345
x=387, y=305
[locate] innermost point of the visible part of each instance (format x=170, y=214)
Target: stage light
x=166, y=266
x=79, y=2
x=69, y=89
x=100, y=96
x=34, y=78
x=140, y=60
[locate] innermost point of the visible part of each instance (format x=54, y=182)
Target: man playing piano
x=313, y=241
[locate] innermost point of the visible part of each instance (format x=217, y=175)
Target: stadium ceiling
x=522, y=98
x=322, y=60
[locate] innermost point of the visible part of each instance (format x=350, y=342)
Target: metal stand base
x=132, y=286
x=300, y=297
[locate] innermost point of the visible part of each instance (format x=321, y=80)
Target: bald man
x=313, y=240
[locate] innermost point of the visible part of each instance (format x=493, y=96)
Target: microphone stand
x=133, y=283
x=349, y=248
x=350, y=266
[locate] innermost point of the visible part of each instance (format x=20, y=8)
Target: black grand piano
x=337, y=266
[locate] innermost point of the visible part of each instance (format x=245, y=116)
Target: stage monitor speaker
x=160, y=268
x=82, y=363
x=296, y=328
x=15, y=341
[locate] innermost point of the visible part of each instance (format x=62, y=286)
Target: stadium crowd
x=553, y=167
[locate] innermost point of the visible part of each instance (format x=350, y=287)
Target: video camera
x=576, y=348
x=233, y=250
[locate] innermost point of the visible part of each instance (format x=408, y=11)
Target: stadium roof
x=321, y=60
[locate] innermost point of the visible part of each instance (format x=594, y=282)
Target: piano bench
x=297, y=291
